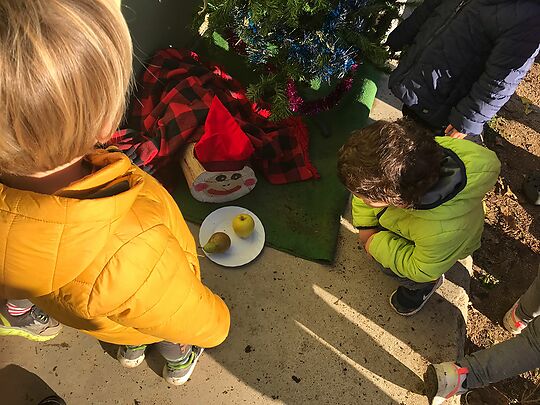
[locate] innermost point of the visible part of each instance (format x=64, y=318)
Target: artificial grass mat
x=302, y=218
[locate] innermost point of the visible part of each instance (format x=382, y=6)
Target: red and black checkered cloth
x=171, y=109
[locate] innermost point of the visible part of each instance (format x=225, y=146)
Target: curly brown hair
x=391, y=162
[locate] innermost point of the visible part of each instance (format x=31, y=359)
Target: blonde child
x=86, y=236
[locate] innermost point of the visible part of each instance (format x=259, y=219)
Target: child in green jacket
x=417, y=201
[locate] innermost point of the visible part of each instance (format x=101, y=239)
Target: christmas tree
x=299, y=42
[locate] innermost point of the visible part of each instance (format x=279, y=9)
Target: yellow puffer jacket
x=110, y=255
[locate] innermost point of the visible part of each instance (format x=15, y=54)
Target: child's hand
x=454, y=133
x=368, y=242
x=365, y=236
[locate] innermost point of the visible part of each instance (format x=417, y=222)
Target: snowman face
x=223, y=186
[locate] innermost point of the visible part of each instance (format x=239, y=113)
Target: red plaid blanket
x=171, y=109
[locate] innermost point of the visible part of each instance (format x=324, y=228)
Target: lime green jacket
x=424, y=242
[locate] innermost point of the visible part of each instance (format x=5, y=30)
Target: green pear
x=218, y=243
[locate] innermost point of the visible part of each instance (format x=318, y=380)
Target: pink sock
x=14, y=310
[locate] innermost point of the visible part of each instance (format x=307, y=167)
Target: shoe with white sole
x=512, y=323
x=34, y=325
x=178, y=373
x=131, y=356
x=408, y=302
x=443, y=381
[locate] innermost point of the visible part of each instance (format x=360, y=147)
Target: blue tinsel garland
x=320, y=54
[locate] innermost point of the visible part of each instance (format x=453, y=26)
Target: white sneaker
x=511, y=321
x=131, y=356
x=443, y=381
x=178, y=374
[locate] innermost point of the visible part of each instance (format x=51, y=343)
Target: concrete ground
x=301, y=333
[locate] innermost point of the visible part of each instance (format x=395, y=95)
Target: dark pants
x=405, y=282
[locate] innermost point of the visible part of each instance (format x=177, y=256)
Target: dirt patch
x=508, y=260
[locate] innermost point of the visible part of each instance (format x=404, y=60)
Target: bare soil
x=508, y=260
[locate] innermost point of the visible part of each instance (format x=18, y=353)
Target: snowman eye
x=221, y=177
x=236, y=176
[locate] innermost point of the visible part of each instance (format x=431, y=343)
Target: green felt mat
x=303, y=218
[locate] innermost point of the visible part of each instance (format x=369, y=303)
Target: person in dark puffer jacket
x=463, y=60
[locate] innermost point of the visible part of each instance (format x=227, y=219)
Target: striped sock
x=14, y=310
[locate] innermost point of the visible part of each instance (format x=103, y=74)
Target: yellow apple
x=243, y=225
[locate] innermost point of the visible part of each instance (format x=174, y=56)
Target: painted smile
x=223, y=192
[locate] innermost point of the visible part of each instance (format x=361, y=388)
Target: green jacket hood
x=468, y=173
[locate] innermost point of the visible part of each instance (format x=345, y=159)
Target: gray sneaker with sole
x=131, y=356
x=178, y=374
x=35, y=325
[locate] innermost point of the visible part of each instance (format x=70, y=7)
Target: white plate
x=242, y=251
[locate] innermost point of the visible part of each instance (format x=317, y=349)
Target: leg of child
x=173, y=352
x=181, y=361
x=524, y=310
x=411, y=296
x=22, y=318
x=504, y=360
x=528, y=307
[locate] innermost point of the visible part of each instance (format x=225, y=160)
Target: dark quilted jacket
x=463, y=59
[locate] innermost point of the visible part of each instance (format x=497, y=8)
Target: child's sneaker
x=511, y=321
x=52, y=400
x=178, y=373
x=34, y=325
x=408, y=302
x=443, y=381
x=131, y=356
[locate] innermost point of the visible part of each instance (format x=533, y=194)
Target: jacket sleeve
x=363, y=215
x=406, y=31
x=509, y=61
x=422, y=261
x=167, y=300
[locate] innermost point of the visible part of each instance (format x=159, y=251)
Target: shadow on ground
x=516, y=164
x=506, y=245
x=513, y=265
x=323, y=334
x=514, y=110
x=22, y=387
x=302, y=335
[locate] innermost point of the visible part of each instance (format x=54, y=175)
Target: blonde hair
x=65, y=70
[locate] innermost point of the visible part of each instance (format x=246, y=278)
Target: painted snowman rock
x=223, y=186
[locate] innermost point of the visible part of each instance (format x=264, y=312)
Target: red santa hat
x=224, y=146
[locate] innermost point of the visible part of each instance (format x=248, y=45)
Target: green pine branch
x=373, y=52
x=294, y=15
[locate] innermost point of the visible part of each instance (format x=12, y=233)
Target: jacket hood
x=468, y=172
x=451, y=181
x=54, y=232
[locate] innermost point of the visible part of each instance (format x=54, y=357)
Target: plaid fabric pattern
x=171, y=109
